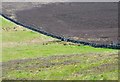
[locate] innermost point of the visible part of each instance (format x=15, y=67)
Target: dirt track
x=95, y=22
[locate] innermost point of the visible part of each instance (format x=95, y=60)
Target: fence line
x=110, y=46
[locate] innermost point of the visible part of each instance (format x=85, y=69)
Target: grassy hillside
x=30, y=55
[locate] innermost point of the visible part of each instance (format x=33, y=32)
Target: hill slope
x=29, y=55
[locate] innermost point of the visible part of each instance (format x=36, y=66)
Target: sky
x=60, y=0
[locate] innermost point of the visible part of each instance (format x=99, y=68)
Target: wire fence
x=96, y=45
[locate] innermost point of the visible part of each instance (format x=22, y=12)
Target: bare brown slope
x=95, y=22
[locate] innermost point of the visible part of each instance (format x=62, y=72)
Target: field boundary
x=96, y=45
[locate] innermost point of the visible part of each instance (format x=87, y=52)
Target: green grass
x=39, y=50
x=21, y=36
x=28, y=46
x=5, y=23
x=87, y=67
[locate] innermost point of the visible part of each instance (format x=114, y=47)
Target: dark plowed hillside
x=95, y=22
